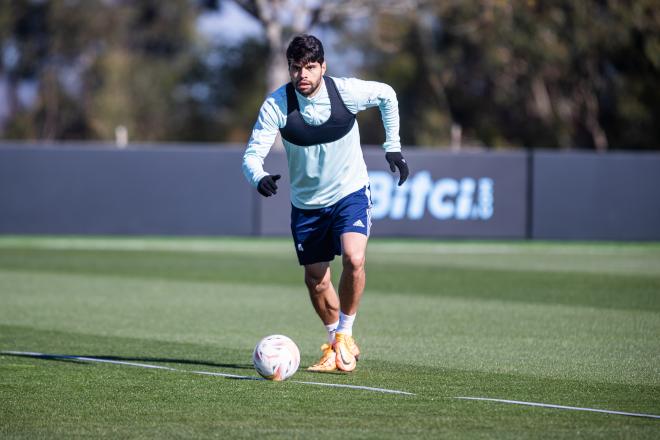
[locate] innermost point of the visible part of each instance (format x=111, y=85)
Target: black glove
x=395, y=159
x=267, y=186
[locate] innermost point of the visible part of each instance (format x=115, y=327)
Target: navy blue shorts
x=316, y=232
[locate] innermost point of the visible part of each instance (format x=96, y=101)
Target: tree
x=283, y=19
x=96, y=65
x=518, y=72
x=492, y=73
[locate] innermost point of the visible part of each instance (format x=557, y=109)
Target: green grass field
x=560, y=323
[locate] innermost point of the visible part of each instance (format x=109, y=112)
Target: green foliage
x=97, y=65
x=524, y=73
x=235, y=87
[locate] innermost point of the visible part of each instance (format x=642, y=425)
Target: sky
x=230, y=25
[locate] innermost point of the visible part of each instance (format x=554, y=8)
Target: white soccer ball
x=276, y=357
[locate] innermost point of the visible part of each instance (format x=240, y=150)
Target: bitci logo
x=466, y=198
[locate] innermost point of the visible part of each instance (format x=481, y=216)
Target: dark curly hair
x=305, y=49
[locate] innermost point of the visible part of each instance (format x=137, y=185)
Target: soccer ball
x=276, y=357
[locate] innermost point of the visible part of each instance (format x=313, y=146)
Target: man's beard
x=311, y=90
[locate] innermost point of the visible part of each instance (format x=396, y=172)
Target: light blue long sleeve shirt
x=322, y=174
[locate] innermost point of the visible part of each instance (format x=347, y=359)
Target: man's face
x=307, y=77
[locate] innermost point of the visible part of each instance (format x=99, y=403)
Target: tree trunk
x=591, y=120
x=49, y=96
x=277, y=69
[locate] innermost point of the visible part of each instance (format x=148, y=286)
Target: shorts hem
x=358, y=230
x=315, y=260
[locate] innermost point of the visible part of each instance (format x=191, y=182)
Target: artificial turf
x=574, y=324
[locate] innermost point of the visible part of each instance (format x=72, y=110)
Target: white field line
x=84, y=359
x=549, y=405
x=355, y=387
x=229, y=376
x=207, y=373
x=110, y=361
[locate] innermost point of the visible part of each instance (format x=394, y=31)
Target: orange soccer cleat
x=327, y=361
x=346, y=352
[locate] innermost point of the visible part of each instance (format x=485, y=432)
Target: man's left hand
x=395, y=159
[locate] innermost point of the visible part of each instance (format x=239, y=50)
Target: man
x=330, y=212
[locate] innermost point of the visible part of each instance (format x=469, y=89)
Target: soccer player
x=330, y=212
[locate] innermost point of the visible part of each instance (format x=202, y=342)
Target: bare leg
x=322, y=292
x=353, y=278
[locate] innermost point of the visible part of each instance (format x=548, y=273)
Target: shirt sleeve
x=360, y=95
x=263, y=136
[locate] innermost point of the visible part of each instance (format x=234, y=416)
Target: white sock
x=331, y=328
x=346, y=324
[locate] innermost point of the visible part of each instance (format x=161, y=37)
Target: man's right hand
x=267, y=186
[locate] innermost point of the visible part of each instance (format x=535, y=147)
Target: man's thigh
x=354, y=245
x=352, y=216
x=312, y=235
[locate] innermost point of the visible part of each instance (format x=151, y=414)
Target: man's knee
x=354, y=249
x=353, y=261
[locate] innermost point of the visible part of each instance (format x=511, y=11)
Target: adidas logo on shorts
x=359, y=224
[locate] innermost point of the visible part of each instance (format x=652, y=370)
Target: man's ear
x=323, y=68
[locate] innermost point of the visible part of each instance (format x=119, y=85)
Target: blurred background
x=469, y=73
x=519, y=118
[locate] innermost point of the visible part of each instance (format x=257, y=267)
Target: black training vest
x=298, y=132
